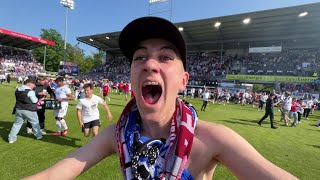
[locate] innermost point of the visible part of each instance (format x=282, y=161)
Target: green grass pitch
x=295, y=149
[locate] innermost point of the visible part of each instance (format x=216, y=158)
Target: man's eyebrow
x=169, y=47
x=165, y=47
x=140, y=47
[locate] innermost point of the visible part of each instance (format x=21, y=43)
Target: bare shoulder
x=229, y=148
x=215, y=136
x=211, y=127
x=208, y=145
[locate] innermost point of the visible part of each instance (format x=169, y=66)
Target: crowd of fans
x=281, y=64
x=206, y=68
x=203, y=68
x=117, y=69
x=299, y=87
x=15, y=54
x=18, y=62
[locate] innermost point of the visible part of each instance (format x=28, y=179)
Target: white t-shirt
x=89, y=108
x=62, y=92
x=81, y=87
x=309, y=104
x=287, y=103
x=205, y=96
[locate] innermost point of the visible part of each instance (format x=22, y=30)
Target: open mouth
x=151, y=92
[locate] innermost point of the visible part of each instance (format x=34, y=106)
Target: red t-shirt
x=120, y=86
x=105, y=89
x=294, y=106
x=126, y=88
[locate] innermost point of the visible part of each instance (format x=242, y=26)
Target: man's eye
x=141, y=58
x=166, y=58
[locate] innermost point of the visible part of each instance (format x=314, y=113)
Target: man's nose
x=152, y=65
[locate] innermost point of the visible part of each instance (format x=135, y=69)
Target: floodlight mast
x=68, y=4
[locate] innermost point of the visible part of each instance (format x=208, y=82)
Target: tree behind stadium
x=54, y=54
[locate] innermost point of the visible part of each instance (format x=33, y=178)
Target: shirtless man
x=157, y=54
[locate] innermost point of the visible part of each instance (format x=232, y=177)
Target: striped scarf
x=144, y=158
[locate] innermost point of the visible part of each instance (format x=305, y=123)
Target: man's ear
x=184, y=82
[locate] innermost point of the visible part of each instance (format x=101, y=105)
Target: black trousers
x=41, y=116
x=204, y=105
x=260, y=104
x=306, y=113
x=268, y=113
x=299, y=116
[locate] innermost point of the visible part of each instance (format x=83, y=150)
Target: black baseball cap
x=59, y=79
x=148, y=28
x=30, y=80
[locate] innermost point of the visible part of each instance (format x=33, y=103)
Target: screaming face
x=157, y=75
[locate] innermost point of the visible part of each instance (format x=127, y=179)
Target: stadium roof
x=22, y=41
x=277, y=27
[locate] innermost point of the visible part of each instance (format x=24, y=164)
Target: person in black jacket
x=269, y=111
x=25, y=108
x=8, y=78
x=41, y=90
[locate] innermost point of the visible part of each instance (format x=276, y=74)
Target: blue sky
x=101, y=16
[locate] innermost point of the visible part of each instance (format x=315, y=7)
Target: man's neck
x=89, y=97
x=29, y=86
x=159, y=129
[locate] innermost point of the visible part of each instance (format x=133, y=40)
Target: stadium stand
x=15, y=57
x=18, y=62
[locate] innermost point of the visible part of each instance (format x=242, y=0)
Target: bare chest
x=201, y=163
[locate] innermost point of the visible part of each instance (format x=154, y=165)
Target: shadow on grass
x=313, y=125
x=6, y=126
x=252, y=109
x=315, y=146
x=110, y=104
x=316, y=129
x=249, y=121
x=122, y=99
x=265, y=121
x=235, y=121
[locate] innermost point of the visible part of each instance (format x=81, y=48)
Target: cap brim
x=149, y=28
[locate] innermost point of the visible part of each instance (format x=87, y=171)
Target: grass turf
x=295, y=149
